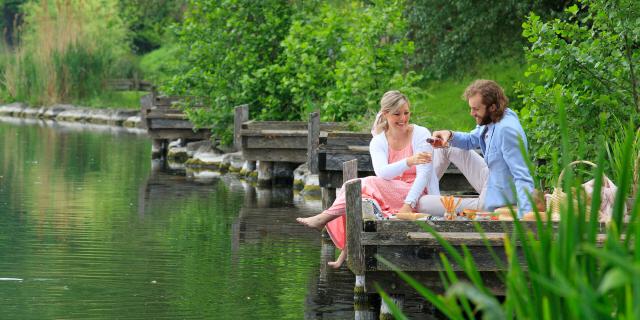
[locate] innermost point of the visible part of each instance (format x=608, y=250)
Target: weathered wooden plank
x=393, y=284
x=275, y=142
x=427, y=239
x=313, y=142
x=274, y=125
x=333, y=179
x=154, y=124
x=275, y=155
x=396, y=226
x=328, y=162
x=165, y=114
x=203, y=134
x=290, y=125
x=427, y=258
x=273, y=133
x=355, y=253
x=241, y=114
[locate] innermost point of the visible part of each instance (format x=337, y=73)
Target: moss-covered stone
x=298, y=184
x=194, y=163
x=177, y=156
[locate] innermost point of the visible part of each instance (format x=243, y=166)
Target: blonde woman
x=402, y=162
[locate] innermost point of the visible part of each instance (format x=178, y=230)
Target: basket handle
x=559, y=185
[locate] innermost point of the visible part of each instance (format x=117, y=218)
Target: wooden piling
x=385, y=311
x=355, y=256
x=265, y=173
x=240, y=116
x=313, y=140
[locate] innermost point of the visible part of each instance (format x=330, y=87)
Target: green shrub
x=591, y=57
x=285, y=60
x=222, y=42
x=452, y=37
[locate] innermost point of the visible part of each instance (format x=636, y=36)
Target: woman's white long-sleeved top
x=425, y=176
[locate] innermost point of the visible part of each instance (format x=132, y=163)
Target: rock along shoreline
x=200, y=159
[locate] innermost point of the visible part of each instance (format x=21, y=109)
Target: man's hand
x=419, y=158
x=445, y=135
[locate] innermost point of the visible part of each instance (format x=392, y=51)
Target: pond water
x=90, y=227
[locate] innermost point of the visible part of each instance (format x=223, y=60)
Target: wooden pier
x=277, y=141
x=164, y=121
x=417, y=252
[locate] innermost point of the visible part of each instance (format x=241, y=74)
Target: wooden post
x=385, y=311
x=355, y=256
x=265, y=173
x=328, y=197
x=327, y=253
x=349, y=170
x=313, y=140
x=361, y=304
x=241, y=115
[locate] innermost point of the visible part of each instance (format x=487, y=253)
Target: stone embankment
x=70, y=113
x=200, y=158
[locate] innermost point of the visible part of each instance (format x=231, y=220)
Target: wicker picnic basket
x=558, y=196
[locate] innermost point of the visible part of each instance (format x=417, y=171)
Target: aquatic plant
x=67, y=50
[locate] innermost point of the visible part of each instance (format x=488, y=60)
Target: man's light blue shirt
x=501, y=149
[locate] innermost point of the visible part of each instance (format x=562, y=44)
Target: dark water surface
x=90, y=228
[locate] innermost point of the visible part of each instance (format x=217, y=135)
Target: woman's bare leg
x=336, y=264
x=318, y=221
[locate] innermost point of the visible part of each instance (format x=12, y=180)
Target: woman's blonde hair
x=391, y=101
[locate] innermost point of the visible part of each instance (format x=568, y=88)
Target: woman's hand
x=405, y=208
x=419, y=158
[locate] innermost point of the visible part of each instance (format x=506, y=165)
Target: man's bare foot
x=318, y=221
x=336, y=264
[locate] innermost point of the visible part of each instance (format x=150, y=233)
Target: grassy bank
x=440, y=105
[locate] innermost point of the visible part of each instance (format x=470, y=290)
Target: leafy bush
x=591, y=57
x=286, y=59
x=451, y=37
x=148, y=20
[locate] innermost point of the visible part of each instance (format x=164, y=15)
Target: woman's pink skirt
x=389, y=194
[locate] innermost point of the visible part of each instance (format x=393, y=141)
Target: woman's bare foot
x=336, y=264
x=318, y=221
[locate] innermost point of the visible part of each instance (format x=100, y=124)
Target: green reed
x=66, y=52
x=562, y=270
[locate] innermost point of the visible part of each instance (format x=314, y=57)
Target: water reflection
x=90, y=227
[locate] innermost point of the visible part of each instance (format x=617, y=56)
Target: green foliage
x=222, y=43
x=286, y=59
x=451, y=37
x=67, y=50
x=148, y=21
x=615, y=152
x=590, y=56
